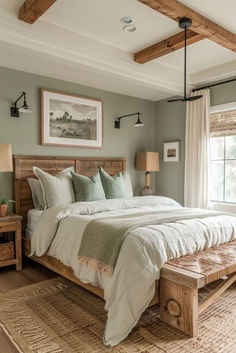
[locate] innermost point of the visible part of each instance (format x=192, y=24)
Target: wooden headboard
x=23, y=169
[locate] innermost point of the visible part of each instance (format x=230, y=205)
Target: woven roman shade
x=223, y=124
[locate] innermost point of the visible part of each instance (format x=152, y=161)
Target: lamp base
x=146, y=190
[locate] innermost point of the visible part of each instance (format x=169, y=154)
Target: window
x=223, y=155
x=223, y=169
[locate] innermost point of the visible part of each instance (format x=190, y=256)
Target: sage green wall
x=24, y=133
x=164, y=122
x=223, y=94
x=171, y=127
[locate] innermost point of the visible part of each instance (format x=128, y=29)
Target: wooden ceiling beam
x=31, y=10
x=202, y=25
x=166, y=46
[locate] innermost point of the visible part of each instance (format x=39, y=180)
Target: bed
x=173, y=274
x=23, y=169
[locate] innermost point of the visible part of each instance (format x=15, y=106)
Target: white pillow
x=166, y=201
x=127, y=184
x=37, y=193
x=58, y=189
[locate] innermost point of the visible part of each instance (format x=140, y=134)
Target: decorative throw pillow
x=127, y=184
x=37, y=193
x=58, y=189
x=88, y=189
x=113, y=185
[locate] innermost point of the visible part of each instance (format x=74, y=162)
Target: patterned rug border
x=34, y=286
x=7, y=333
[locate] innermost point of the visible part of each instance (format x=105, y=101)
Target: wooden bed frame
x=180, y=278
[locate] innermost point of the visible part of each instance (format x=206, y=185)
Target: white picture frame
x=171, y=151
x=70, y=120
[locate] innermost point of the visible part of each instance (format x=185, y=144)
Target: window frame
x=219, y=109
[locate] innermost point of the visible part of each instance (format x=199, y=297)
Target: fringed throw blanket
x=102, y=238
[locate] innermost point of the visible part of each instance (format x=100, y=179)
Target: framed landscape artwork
x=171, y=152
x=70, y=120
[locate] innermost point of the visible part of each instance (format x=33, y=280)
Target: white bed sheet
x=32, y=221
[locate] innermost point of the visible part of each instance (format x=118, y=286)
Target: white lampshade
x=5, y=158
x=25, y=110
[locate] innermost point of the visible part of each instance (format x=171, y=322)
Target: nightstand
x=12, y=223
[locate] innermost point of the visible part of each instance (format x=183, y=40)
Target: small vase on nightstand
x=3, y=210
x=3, y=206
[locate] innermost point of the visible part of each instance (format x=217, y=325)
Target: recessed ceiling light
x=129, y=28
x=126, y=19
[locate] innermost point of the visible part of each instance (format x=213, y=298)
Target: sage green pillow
x=113, y=185
x=87, y=189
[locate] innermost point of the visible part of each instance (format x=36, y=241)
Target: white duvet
x=129, y=291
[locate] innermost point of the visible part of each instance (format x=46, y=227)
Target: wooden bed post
x=179, y=306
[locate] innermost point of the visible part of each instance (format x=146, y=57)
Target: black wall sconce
x=138, y=122
x=15, y=111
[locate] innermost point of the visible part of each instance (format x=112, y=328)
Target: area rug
x=57, y=316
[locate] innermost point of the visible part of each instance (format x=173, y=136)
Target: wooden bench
x=183, y=277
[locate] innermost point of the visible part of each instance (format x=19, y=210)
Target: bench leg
x=179, y=306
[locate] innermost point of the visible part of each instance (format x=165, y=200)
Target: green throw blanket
x=103, y=237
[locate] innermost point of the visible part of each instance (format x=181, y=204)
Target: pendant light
x=185, y=23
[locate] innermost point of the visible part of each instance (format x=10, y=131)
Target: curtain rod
x=213, y=85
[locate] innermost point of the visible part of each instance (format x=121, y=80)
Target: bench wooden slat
x=182, y=276
x=221, y=288
x=212, y=263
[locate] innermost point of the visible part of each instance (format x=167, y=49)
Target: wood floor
x=10, y=279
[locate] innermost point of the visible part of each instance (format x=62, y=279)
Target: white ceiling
x=83, y=42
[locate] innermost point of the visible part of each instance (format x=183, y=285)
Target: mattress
x=32, y=221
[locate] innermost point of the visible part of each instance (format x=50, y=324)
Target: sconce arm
x=126, y=116
x=22, y=95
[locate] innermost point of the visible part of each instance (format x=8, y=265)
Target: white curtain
x=197, y=137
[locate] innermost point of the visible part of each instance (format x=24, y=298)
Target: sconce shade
x=138, y=122
x=147, y=161
x=25, y=109
x=5, y=158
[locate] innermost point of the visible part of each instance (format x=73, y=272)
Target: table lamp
x=147, y=162
x=5, y=158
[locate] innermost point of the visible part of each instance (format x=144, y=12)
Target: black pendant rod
x=185, y=61
x=214, y=84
